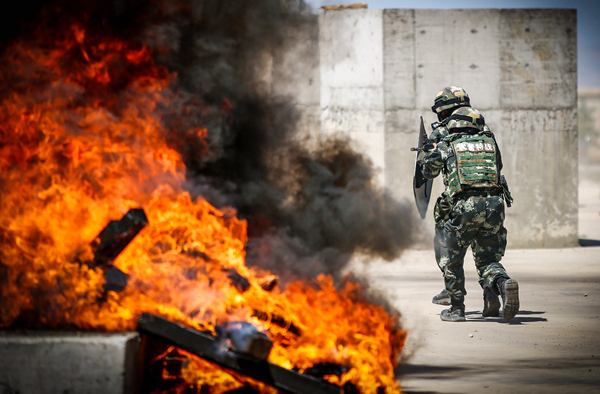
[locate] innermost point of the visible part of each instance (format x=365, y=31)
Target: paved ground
x=551, y=346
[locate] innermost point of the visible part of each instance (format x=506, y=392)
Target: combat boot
x=491, y=303
x=442, y=299
x=509, y=291
x=455, y=313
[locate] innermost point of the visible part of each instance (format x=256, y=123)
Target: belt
x=482, y=192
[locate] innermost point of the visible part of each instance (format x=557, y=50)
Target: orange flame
x=81, y=143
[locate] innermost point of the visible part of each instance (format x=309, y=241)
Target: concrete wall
x=352, y=89
x=381, y=69
x=40, y=362
x=296, y=74
x=589, y=125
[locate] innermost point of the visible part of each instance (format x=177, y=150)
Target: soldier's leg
x=454, y=273
x=440, y=215
x=454, y=279
x=465, y=220
x=488, y=268
x=439, y=245
x=489, y=247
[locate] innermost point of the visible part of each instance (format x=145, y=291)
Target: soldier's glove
x=427, y=147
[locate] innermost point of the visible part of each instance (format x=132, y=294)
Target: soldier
x=446, y=102
x=470, y=162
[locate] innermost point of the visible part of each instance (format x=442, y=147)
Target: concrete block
x=538, y=58
x=457, y=47
x=540, y=162
x=351, y=48
x=399, y=59
x=69, y=362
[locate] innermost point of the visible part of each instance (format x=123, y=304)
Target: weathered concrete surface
x=538, y=59
x=351, y=67
x=68, y=362
x=381, y=69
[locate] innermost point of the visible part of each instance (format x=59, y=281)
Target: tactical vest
x=476, y=165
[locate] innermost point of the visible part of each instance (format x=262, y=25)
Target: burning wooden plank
x=211, y=349
x=116, y=236
x=110, y=243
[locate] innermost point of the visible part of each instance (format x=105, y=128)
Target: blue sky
x=588, y=24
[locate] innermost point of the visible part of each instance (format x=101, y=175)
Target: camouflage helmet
x=450, y=97
x=465, y=117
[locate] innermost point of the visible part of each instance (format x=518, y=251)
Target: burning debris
x=104, y=115
x=110, y=243
x=245, y=342
x=116, y=236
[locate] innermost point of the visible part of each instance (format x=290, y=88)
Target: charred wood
x=321, y=369
x=277, y=320
x=349, y=388
x=116, y=236
x=238, y=281
x=115, y=279
x=211, y=349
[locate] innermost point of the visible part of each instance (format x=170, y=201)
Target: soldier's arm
x=433, y=161
x=437, y=134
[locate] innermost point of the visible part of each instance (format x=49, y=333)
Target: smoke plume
x=310, y=205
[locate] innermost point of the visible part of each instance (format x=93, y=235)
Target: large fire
x=75, y=155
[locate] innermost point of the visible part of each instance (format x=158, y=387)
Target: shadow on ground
x=571, y=372
x=522, y=317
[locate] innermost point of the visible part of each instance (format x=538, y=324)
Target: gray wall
x=381, y=69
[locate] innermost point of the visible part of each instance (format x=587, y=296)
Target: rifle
x=425, y=148
x=507, y=196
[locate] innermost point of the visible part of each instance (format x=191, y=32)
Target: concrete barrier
x=40, y=362
x=381, y=69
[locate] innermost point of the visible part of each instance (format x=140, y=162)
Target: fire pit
x=100, y=232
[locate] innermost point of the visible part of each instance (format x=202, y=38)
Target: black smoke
x=310, y=205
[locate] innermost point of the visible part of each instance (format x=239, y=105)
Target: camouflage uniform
x=471, y=217
x=443, y=205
